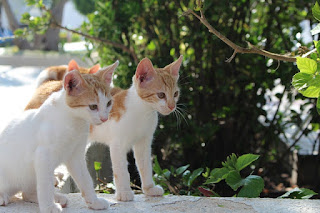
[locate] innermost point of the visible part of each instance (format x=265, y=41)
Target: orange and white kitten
x=55, y=73
x=55, y=134
x=133, y=120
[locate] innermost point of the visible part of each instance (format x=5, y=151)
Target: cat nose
x=171, y=107
x=103, y=119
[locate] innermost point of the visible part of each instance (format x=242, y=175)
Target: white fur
x=133, y=131
x=38, y=141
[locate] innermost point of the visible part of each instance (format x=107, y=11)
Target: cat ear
x=73, y=83
x=175, y=66
x=94, y=69
x=106, y=73
x=73, y=65
x=145, y=71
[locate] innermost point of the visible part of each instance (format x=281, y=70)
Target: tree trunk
x=50, y=40
x=14, y=24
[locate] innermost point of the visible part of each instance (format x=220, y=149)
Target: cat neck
x=137, y=103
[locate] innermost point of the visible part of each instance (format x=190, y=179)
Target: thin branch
x=237, y=49
x=124, y=48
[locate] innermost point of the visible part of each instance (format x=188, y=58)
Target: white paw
x=124, y=195
x=4, y=200
x=61, y=199
x=55, y=208
x=154, y=191
x=99, y=204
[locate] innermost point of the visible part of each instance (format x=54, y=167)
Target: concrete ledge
x=174, y=204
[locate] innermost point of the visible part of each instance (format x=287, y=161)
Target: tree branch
x=237, y=49
x=124, y=48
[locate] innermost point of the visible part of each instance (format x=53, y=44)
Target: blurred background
x=246, y=106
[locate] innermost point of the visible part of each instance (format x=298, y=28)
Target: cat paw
x=4, y=200
x=55, y=208
x=61, y=199
x=99, y=204
x=153, y=191
x=124, y=195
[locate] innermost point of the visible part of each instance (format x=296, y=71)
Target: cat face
x=89, y=94
x=158, y=86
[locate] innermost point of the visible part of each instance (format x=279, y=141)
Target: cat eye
x=109, y=103
x=93, y=107
x=176, y=94
x=161, y=95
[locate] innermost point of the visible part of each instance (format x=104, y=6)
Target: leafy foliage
x=252, y=185
x=298, y=193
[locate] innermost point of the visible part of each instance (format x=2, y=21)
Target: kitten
x=50, y=80
x=133, y=120
x=57, y=72
x=55, y=133
x=132, y=123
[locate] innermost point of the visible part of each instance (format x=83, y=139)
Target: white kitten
x=34, y=144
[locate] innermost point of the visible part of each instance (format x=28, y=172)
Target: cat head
x=89, y=94
x=158, y=86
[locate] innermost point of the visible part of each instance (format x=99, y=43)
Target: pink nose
x=171, y=107
x=103, y=119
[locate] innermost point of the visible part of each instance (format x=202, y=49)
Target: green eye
x=109, y=103
x=176, y=94
x=93, y=107
x=161, y=95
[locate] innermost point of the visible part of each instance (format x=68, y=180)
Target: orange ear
x=94, y=69
x=106, y=73
x=73, y=83
x=73, y=65
x=145, y=71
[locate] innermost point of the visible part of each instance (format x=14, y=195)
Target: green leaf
x=97, y=165
x=313, y=89
x=245, y=160
x=19, y=32
x=252, y=186
x=31, y=2
x=181, y=169
x=298, y=193
x=315, y=30
x=166, y=173
x=306, y=65
x=316, y=11
x=151, y=46
x=300, y=81
x=234, y=180
x=318, y=105
x=217, y=175
x=196, y=173
x=156, y=167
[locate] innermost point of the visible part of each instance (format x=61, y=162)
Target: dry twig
x=237, y=49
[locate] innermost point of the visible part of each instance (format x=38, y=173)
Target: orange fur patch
x=93, y=84
x=57, y=72
x=118, y=108
x=162, y=81
x=42, y=93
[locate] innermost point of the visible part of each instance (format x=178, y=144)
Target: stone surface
x=175, y=204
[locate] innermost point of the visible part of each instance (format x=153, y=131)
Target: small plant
x=251, y=186
x=176, y=181
x=298, y=193
x=181, y=180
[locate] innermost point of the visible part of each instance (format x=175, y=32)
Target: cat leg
x=77, y=168
x=61, y=199
x=142, y=155
x=44, y=169
x=120, y=173
x=4, y=199
x=4, y=190
x=30, y=196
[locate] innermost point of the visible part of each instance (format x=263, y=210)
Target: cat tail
x=46, y=75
